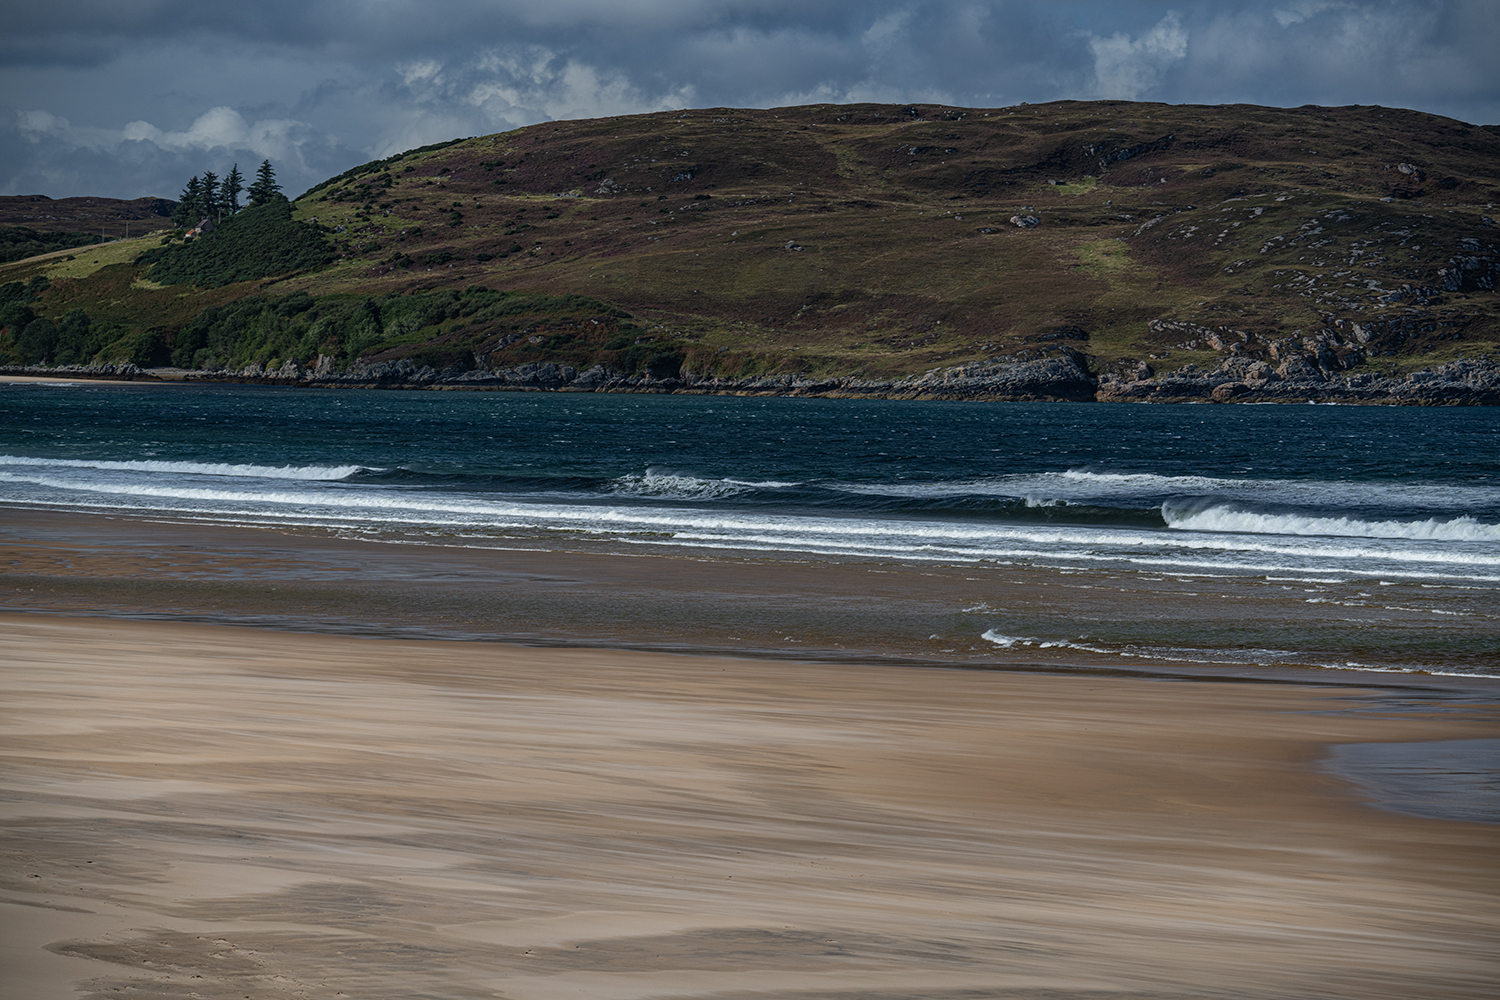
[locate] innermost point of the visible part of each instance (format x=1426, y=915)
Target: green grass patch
x=1107, y=260
x=1077, y=186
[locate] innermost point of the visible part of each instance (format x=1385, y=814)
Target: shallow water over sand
x=1442, y=779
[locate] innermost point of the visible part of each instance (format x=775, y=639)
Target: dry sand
x=215, y=812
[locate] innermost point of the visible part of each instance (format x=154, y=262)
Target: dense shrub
x=259, y=242
x=432, y=327
x=16, y=316
x=20, y=242
x=30, y=339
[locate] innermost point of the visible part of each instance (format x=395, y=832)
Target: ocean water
x=1388, y=516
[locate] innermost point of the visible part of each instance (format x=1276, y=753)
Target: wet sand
x=216, y=812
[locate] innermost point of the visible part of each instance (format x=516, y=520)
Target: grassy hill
x=870, y=240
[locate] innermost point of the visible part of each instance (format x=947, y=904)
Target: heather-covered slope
x=107, y=218
x=874, y=243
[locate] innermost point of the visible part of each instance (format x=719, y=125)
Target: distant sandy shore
x=61, y=378
x=216, y=812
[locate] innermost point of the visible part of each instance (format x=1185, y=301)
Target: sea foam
x=308, y=472
x=1460, y=529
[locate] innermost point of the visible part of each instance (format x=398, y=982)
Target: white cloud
x=421, y=71
x=35, y=126
x=887, y=30
x=217, y=128
x=1125, y=68
x=1296, y=13
x=538, y=83
x=863, y=92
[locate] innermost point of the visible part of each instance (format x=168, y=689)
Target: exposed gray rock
x=1471, y=383
x=1298, y=366
x=122, y=370
x=1049, y=378
x=1303, y=374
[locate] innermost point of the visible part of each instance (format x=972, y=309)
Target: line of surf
x=1227, y=519
x=304, y=472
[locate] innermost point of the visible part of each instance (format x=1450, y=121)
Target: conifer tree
x=209, y=201
x=186, y=214
x=229, y=190
x=265, y=189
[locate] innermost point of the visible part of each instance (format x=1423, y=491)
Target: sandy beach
x=64, y=380
x=216, y=812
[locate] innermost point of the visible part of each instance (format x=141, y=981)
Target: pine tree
x=185, y=215
x=210, y=198
x=230, y=188
x=265, y=189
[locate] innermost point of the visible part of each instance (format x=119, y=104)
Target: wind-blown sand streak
x=204, y=811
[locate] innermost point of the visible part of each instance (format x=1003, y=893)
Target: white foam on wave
x=900, y=539
x=1329, y=492
x=1134, y=489
x=1227, y=519
x=1009, y=641
x=672, y=486
x=1224, y=657
x=799, y=531
x=307, y=472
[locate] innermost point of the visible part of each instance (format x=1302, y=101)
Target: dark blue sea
x=1389, y=516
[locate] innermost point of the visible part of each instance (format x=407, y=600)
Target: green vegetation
x=208, y=197
x=29, y=339
x=260, y=242
x=265, y=190
x=440, y=328
x=20, y=242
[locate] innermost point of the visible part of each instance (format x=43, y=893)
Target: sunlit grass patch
x=84, y=260
x=1104, y=259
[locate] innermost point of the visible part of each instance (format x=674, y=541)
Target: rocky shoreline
x=1234, y=380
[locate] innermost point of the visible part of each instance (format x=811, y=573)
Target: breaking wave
x=1226, y=519
x=305, y=472
x=672, y=486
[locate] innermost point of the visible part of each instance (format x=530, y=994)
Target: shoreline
x=304, y=815
x=1059, y=379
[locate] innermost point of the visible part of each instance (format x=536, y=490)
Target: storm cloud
x=125, y=98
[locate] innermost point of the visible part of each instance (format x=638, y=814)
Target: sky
x=126, y=98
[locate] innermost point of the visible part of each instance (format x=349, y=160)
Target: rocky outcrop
x=1064, y=378
x=124, y=370
x=1299, y=380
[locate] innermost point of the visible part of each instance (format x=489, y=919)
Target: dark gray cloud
x=128, y=97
